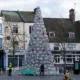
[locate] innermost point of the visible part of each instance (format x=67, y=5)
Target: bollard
x=6, y=71
x=1, y=71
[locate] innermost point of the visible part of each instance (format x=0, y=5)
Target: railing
x=15, y=70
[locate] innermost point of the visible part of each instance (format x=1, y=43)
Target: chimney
x=72, y=15
x=35, y=10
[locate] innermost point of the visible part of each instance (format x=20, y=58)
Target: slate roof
x=18, y=16
x=77, y=31
x=61, y=26
x=11, y=16
x=27, y=16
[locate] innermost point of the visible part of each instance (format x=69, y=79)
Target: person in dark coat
x=42, y=70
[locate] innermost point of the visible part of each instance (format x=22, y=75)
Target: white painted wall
x=27, y=35
x=6, y=59
x=51, y=46
x=77, y=48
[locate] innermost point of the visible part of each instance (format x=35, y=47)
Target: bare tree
x=11, y=35
x=62, y=44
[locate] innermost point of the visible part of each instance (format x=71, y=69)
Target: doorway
x=1, y=60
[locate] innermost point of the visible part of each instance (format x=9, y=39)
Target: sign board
x=76, y=67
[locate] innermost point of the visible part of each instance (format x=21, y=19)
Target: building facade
x=72, y=51
x=16, y=33
x=63, y=34
x=64, y=39
x=1, y=43
x=13, y=39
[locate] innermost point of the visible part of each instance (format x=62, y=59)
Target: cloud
x=17, y=4
x=50, y=8
x=66, y=5
x=46, y=12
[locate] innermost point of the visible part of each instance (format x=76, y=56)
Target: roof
x=77, y=31
x=61, y=26
x=18, y=16
x=28, y=16
x=11, y=16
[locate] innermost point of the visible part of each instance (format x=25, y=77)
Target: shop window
x=14, y=63
x=18, y=60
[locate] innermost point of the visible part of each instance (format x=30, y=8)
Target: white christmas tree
x=38, y=49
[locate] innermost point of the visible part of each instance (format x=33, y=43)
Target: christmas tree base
x=50, y=72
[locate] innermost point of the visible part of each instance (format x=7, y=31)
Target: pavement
x=4, y=77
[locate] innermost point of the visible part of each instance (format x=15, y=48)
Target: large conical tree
x=38, y=49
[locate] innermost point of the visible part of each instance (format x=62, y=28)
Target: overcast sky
x=49, y=8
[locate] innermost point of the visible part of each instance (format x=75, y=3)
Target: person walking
x=10, y=69
x=67, y=76
x=42, y=70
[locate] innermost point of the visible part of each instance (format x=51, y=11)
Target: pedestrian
x=42, y=70
x=10, y=69
x=67, y=76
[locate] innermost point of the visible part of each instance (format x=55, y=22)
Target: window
x=52, y=34
x=57, y=59
x=15, y=44
x=8, y=37
x=71, y=35
x=56, y=46
x=0, y=28
x=69, y=56
x=10, y=60
x=69, y=60
x=71, y=46
x=18, y=60
x=0, y=43
x=15, y=28
x=30, y=29
x=21, y=60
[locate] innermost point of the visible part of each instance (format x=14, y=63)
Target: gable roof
x=61, y=26
x=18, y=16
x=11, y=16
x=27, y=16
